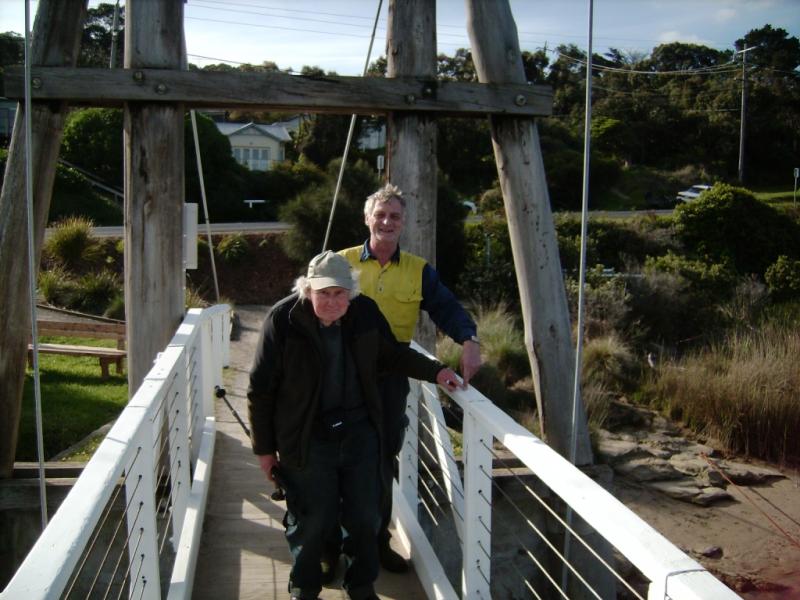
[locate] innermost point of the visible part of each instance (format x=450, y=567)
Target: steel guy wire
x=560, y=520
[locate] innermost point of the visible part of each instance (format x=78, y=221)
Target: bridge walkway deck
x=243, y=552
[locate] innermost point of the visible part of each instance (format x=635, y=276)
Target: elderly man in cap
x=316, y=417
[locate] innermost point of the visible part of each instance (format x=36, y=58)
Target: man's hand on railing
x=448, y=379
x=267, y=463
x=470, y=360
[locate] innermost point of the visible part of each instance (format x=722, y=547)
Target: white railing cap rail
x=656, y=557
x=48, y=567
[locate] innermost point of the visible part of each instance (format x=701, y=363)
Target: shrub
x=70, y=244
x=503, y=342
x=676, y=298
x=233, y=248
x=487, y=275
x=73, y=195
x=57, y=287
x=728, y=224
x=608, y=362
x=597, y=402
x=783, y=278
x=309, y=213
x=606, y=304
x=95, y=292
x=116, y=308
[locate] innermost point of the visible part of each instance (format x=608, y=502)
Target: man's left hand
x=447, y=379
x=470, y=360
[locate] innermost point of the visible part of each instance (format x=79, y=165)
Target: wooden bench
x=100, y=329
x=106, y=355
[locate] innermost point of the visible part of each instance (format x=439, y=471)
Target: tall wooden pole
x=411, y=138
x=56, y=41
x=154, y=189
x=495, y=48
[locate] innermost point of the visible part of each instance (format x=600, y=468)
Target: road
x=274, y=226
x=280, y=226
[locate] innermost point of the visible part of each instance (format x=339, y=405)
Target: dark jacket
x=284, y=392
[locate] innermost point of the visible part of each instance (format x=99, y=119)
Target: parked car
x=692, y=193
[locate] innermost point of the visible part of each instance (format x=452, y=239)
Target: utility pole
x=744, y=111
x=113, y=60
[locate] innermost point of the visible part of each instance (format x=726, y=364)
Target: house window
x=255, y=159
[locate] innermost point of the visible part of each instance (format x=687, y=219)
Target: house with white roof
x=257, y=146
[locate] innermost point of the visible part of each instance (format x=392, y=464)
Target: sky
x=335, y=34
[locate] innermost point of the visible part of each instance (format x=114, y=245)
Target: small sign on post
x=189, y=235
x=380, y=164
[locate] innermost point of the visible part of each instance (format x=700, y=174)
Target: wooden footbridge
x=507, y=516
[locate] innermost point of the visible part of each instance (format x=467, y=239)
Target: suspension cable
x=349, y=135
x=37, y=384
x=205, y=202
x=576, y=389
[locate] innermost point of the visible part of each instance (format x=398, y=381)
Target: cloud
x=676, y=36
x=724, y=15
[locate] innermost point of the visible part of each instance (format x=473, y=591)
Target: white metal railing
x=130, y=526
x=500, y=456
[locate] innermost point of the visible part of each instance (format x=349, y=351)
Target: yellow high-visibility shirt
x=396, y=287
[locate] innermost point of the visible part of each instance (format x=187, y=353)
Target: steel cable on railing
x=164, y=502
x=114, y=537
x=422, y=501
x=100, y=525
x=435, y=459
x=125, y=577
x=447, y=451
x=561, y=521
x=522, y=544
x=133, y=581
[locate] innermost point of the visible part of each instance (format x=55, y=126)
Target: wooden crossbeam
x=276, y=91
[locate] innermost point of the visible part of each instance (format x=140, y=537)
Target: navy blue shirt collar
x=366, y=254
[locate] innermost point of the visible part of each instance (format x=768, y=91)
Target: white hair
x=385, y=194
x=302, y=287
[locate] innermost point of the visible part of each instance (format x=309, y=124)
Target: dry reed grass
x=744, y=392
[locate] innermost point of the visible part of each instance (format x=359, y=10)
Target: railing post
x=141, y=518
x=408, y=472
x=477, y=547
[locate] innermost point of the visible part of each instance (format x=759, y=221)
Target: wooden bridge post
x=411, y=138
x=56, y=41
x=154, y=189
x=495, y=49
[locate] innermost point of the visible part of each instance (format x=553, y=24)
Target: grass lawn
x=75, y=400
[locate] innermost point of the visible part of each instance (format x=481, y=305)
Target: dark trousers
x=394, y=390
x=340, y=479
